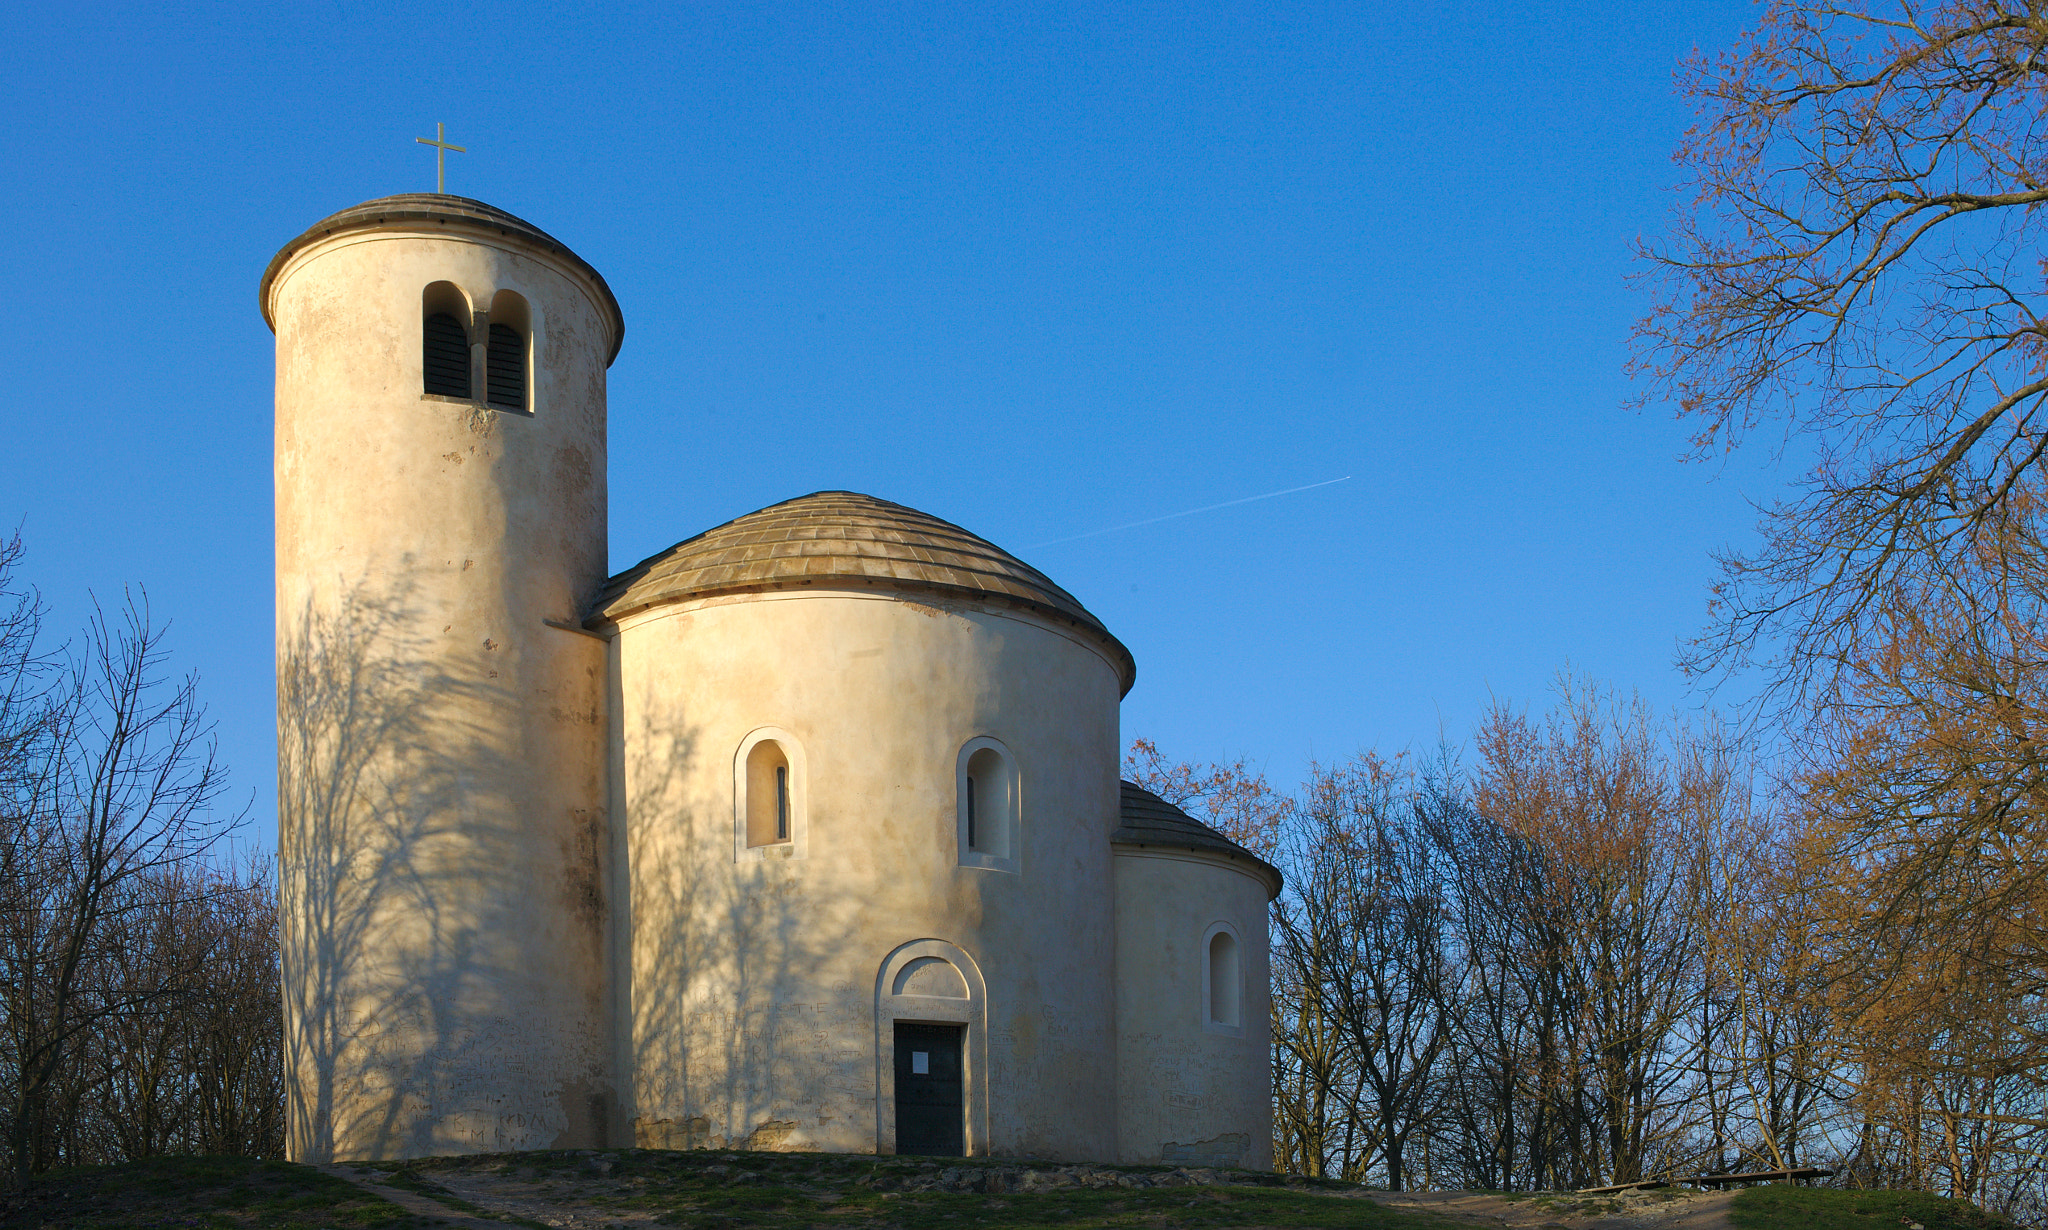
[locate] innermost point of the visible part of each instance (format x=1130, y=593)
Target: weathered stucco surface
x=441, y=749
x=1188, y=1092
x=522, y=905
x=755, y=978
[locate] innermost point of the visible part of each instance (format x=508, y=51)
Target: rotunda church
x=804, y=834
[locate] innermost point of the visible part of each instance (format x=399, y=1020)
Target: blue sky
x=1037, y=269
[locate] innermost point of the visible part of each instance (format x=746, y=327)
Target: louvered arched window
x=505, y=368
x=446, y=361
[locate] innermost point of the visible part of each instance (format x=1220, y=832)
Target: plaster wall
x=764, y=983
x=1190, y=1092
x=442, y=766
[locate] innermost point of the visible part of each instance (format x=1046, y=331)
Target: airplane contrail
x=1270, y=495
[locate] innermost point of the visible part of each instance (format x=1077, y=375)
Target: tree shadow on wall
x=399, y=941
x=752, y=1008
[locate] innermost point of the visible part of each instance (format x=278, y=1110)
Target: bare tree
x=1316, y=1084
x=1857, y=262
x=1232, y=798
x=1614, y=942
x=109, y=783
x=199, y=1070
x=1497, y=1009
x=1359, y=853
x=234, y=1035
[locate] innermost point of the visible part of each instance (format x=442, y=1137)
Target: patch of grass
x=219, y=1193
x=797, y=1191
x=1783, y=1207
x=736, y=1190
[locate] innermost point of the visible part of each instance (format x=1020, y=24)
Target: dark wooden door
x=931, y=1100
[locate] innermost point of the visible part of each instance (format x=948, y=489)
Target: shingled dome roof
x=837, y=539
x=1148, y=820
x=440, y=211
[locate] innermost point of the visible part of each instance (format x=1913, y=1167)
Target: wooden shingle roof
x=1148, y=820
x=837, y=539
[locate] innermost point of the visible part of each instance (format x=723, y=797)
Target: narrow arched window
x=988, y=811
x=505, y=368
x=768, y=794
x=1224, y=982
x=446, y=358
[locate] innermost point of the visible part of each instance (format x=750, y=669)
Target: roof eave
x=605, y=620
x=1240, y=860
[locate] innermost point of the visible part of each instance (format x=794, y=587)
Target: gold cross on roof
x=441, y=148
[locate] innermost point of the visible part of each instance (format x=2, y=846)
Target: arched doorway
x=931, y=1052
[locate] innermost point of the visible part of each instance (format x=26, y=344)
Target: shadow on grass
x=199, y=1191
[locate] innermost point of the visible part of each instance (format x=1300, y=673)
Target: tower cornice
x=428, y=212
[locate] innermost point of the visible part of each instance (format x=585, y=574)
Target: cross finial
x=441, y=148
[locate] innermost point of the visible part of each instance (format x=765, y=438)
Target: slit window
x=505, y=368
x=446, y=358
x=782, y=802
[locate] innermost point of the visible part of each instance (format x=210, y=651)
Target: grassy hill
x=650, y=1188
x=797, y=1191
x=775, y=1191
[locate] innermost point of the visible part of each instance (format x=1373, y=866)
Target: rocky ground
x=1662, y=1208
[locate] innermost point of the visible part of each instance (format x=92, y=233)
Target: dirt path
x=412, y=1202
x=1668, y=1208
x=548, y=1199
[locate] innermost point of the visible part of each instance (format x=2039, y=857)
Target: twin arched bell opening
x=447, y=363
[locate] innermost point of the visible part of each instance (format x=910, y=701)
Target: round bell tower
x=442, y=718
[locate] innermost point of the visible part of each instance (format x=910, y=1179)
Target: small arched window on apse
x=990, y=806
x=444, y=338
x=768, y=796
x=506, y=357
x=1222, y=980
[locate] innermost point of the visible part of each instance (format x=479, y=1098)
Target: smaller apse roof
x=1148, y=820
x=840, y=539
